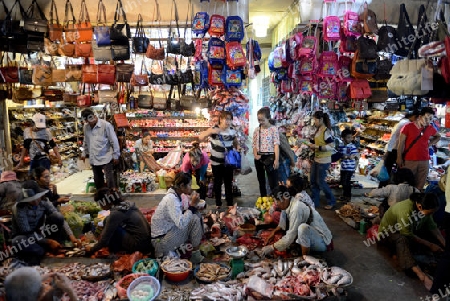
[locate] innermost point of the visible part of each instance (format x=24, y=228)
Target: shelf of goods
x=378, y=131
x=62, y=123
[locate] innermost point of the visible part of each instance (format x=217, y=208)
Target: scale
x=237, y=262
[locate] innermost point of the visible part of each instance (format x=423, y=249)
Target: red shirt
x=419, y=151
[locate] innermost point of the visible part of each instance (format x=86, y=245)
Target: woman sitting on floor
x=406, y=224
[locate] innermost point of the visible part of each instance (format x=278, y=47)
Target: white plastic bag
x=245, y=165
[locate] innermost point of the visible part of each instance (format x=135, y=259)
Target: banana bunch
x=264, y=203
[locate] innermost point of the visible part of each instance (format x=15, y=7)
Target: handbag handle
x=174, y=10
x=101, y=11
x=139, y=27
x=84, y=14
x=30, y=10
x=187, y=18
x=119, y=12
x=68, y=8
x=53, y=6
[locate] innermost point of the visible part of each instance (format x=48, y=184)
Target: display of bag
x=234, y=29
x=84, y=100
x=70, y=98
x=83, y=49
x=367, y=48
x=120, y=52
x=35, y=23
x=9, y=72
x=89, y=74
x=102, y=31
x=140, y=80
x=25, y=75
x=69, y=25
x=42, y=74
x=84, y=27
x=406, y=77
x=404, y=30
x=387, y=38
x=106, y=74
x=370, y=20
x=145, y=100
x=332, y=26
x=352, y=26
x=384, y=67
x=101, y=53
x=124, y=72
x=363, y=68
x=140, y=41
x=73, y=73
x=360, y=89
x=216, y=51
x=58, y=75
x=232, y=77
x=159, y=100
x=155, y=53
x=328, y=64
x=107, y=96
x=120, y=30
x=235, y=55
x=68, y=49
x=200, y=23
x=55, y=30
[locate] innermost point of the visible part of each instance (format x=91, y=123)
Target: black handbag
x=185, y=48
x=145, y=100
x=33, y=23
x=140, y=41
x=12, y=29
x=170, y=77
x=404, y=30
x=157, y=79
x=173, y=43
x=120, y=52
x=120, y=31
x=387, y=38
x=4, y=41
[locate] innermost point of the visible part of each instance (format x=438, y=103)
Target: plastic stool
x=90, y=184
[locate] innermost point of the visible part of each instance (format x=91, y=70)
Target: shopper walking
x=37, y=142
x=266, y=151
x=322, y=144
x=390, y=156
x=101, y=145
x=195, y=162
x=414, y=141
x=349, y=154
x=222, y=138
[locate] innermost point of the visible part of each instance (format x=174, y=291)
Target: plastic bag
x=383, y=175
x=376, y=171
x=245, y=165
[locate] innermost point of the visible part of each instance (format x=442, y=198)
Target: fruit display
x=264, y=203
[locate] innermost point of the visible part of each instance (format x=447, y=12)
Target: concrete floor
x=375, y=274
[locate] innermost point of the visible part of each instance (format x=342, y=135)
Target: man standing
x=102, y=147
x=37, y=142
x=390, y=157
x=412, y=149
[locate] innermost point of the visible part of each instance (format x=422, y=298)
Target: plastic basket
x=152, y=271
x=152, y=281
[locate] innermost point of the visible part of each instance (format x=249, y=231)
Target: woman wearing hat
x=37, y=142
x=42, y=176
x=37, y=226
x=10, y=190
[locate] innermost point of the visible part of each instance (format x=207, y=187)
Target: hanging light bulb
x=260, y=25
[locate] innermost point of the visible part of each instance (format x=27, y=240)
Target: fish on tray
x=212, y=272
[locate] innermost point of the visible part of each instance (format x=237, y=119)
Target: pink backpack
x=352, y=25
x=307, y=65
x=295, y=43
x=328, y=64
x=326, y=88
x=306, y=87
x=331, y=28
x=344, y=73
x=308, y=46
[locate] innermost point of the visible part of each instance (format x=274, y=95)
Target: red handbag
x=54, y=29
x=106, y=74
x=84, y=100
x=83, y=50
x=140, y=80
x=84, y=27
x=360, y=89
x=89, y=74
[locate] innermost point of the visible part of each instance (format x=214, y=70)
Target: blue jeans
x=309, y=237
x=318, y=183
x=284, y=170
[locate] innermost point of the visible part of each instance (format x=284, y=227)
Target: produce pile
x=264, y=203
x=84, y=207
x=351, y=211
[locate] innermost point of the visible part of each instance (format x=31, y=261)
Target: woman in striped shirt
x=222, y=137
x=266, y=142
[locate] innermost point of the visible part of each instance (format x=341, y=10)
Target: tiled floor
x=375, y=274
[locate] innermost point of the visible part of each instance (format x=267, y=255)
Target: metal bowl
x=237, y=252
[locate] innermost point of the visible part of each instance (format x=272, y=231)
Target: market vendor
x=173, y=229
x=196, y=162
x=301, y=224
x=37, y=226
x=42, y=176
x=409, y=224
x=125, y=229
x=143, y=153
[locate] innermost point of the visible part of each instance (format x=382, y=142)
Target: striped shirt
x=217, y=147
x=348, y=150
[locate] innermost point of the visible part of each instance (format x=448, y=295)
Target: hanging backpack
x=216, y=26
x=216, y=51
x=235, y=55
x=367, y=48
x=286, y=55
x=347, y=44
x=257, y=54
x=234, y=29
x=331, y=28
x=308, y=46
x=341, y=91
x=231, y=77
x=200, y=24
x=352, y=26
x=344, y=73
x=404, y=31
x=201, y=74
x=294, y=44
x=306, y=87
x=363, y=68
x=328, y=64
x=387, y=38
x=286, y=86
x=215, y=76
x=307, y=66
x=326, y=88
x=274, y=60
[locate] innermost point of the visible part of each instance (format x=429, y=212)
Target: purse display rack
x=62, y=123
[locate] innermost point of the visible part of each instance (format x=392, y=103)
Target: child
x=296, y=186
x=349, y=154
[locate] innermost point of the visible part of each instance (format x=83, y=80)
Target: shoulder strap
x=53, y=6
x=414, y=141
x=37, y=143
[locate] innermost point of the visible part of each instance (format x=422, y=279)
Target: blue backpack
x=231, y=77
x=216, y=51
x=201, y=74
x=200, y=24
x=234, y=29
x=256, y=50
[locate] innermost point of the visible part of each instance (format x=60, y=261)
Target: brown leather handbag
x=83, y=49
x=9, y=72
x=124, y=72
x=84, y=26
x=70, y=31
x=55, y=30
x=73, y=73
x=106, y=74
x=89, y=74
x=85, y=99
x=58, y=75
x=42, y=74
x=140, y=80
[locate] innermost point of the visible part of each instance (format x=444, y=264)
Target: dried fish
x=213, y=272
x=176, y=265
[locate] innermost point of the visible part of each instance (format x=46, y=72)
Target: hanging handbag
x=140, y=80
x=25, y=72
x=106, y=74
x=404, y=30
x=89, y=73
x=84, y=100
x=360, y=89
x=124, y=72
x=145, y=100
x=68, y=49
x=101, y=53
x=173, y=43
x=33, y=23
x=58, y=75
x=121, y=52
x=9, y=72
x=102, y=31
x=69, y=25
x=160, y=100
x=152, y=52
x=54, y=29
x=73, y=73
x=140, y=41
x=120, y=30
x=107, y=96
x=83, y=49
x=42, y=74
x=84, y=26
x=186, y=49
